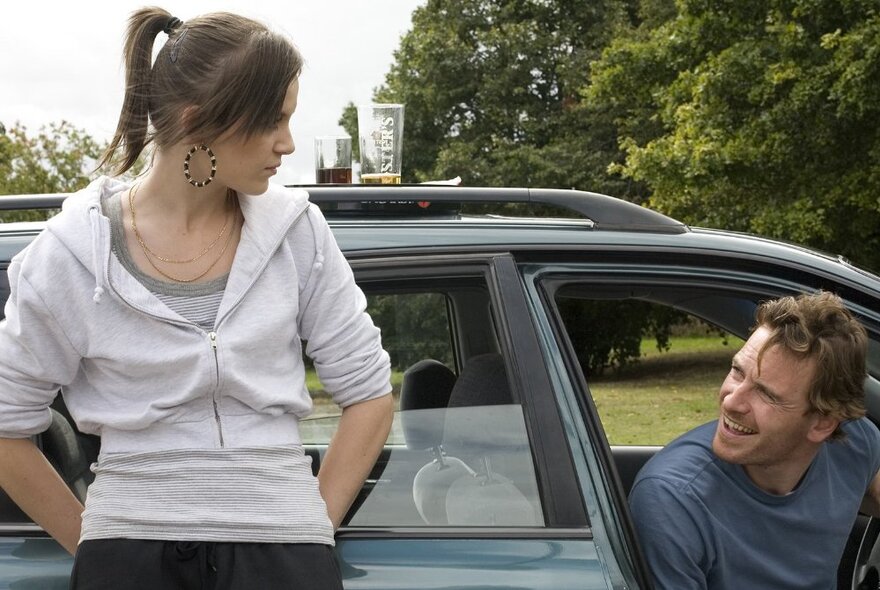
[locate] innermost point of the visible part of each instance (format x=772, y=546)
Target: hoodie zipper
x=213, y=336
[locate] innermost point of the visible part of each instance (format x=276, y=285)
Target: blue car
x=503, y=469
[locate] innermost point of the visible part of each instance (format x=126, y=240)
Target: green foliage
x=755, y=115
x=664, y=395
x=348, y=121
x=492, y=93
x=56, y=160
x=609, y=334
x=414, y=327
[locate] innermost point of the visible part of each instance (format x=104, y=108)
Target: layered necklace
x=150, y=255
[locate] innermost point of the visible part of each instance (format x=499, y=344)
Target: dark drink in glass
x=333, y=159
x=334, y=175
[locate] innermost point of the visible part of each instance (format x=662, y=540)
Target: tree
x=414, y=327
x=755, y=115
x=609, y=334
x=492, y=93
x=58, y=159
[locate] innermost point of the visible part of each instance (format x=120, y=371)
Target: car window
x=654, y=353
x=463, y=466
x=459, y=452
x=415, y=326
x=653, y=371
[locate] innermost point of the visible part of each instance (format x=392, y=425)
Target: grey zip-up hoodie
x=143, y=377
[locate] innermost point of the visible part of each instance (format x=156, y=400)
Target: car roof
x=371, y=220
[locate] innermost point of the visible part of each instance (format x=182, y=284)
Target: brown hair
x=230, y=71
x=818, y=326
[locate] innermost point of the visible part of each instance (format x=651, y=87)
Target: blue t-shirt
x=702, y=523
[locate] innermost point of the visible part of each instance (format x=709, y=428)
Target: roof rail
x=606, y=213
x=23, y=202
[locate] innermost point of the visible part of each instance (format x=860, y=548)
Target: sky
x=62, y=60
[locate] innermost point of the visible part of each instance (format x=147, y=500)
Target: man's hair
x=818, y=326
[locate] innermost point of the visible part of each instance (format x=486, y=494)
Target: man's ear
x=822, y=428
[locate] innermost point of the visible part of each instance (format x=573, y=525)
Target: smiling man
x=765, y=496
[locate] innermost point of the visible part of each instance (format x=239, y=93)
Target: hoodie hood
x=84, y=230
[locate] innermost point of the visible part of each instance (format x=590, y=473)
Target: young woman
x=171, y=313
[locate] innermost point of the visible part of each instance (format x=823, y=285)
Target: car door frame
x=567, y=528
x=727, y=273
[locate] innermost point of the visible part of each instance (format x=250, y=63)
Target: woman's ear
x=187, y=122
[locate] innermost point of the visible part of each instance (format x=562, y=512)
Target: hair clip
x=175, y=49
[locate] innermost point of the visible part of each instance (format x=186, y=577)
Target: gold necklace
x=146, y=248
x=148, y=252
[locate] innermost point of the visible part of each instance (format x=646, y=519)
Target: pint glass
x=380, y=132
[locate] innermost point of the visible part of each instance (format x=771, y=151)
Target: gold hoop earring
x=189, y=155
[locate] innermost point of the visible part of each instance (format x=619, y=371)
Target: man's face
x=765, y=420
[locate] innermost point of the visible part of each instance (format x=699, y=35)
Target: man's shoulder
x=860, y=430
x=861, y=442
x=860, y=449
x=681, y=461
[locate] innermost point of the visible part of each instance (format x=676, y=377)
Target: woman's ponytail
x=131, y=131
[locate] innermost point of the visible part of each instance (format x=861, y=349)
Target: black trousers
x=131, y=564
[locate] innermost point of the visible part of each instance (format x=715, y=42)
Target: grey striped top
x=196, y=302
x=251, y=494
x=244, y=495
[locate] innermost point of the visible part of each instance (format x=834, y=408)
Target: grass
x=665, y=393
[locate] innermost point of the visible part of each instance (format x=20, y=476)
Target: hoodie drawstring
x=97, y=243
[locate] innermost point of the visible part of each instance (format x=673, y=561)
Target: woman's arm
x=32, y=483
x=363, y=430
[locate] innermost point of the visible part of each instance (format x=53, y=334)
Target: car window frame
x=564, y=512
x=544, y=276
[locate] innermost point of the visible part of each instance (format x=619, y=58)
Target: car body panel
x=33, y=563
x=391, y=564
x=470, y=564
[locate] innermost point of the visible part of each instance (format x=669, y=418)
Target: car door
x=640, y=407
x=480, y=490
